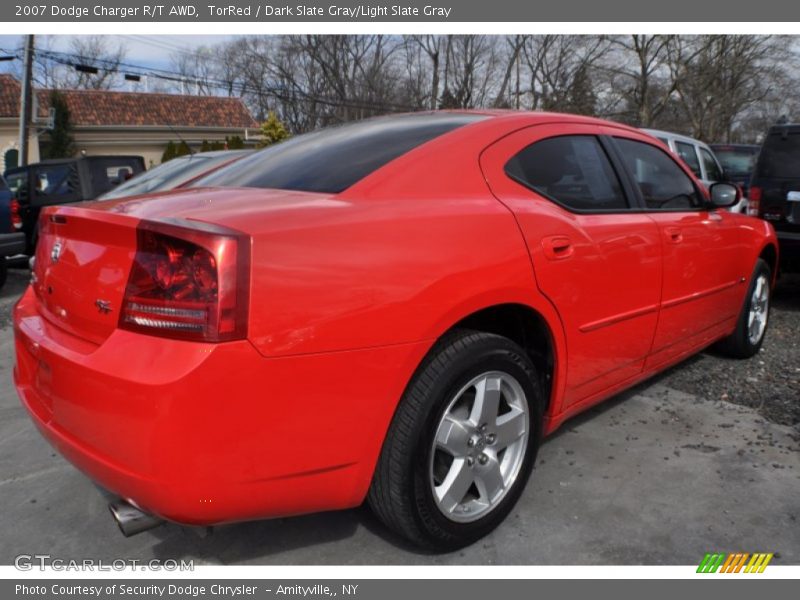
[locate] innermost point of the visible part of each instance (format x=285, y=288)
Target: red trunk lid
x=82, y=262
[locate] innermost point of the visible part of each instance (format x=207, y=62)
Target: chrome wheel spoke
x=759, y=310
x=452, y=436
x=510, y=427
x=487, y=401
x=455, y=486
x=489, y=481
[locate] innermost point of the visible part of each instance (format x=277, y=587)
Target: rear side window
x=689, y=156
x=572, y=170
x=712, y=168
x=780, y=156
x=55, y=180
x=662, y=182
x=331, y=160
x=110, y=172
x=738, y=162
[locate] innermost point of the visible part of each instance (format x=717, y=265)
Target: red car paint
x=348, y=292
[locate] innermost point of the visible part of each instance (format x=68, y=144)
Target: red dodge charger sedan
x=395, y=310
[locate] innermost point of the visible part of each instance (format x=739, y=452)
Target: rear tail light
x=754, y=201
x=16, y=219
x=188, y=282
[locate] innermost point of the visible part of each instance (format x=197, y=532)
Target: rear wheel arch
x=769, y=254
x=526, y=327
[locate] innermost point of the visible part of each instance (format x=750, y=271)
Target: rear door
x=596, y=259
x=701, y=247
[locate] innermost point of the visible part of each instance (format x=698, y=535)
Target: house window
x=10, y=159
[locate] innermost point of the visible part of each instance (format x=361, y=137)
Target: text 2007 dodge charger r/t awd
x=395, y=310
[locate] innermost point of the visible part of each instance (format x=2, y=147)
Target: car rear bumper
x=11, y=244
x=210, y=433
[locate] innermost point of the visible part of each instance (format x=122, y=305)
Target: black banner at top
x=405, y=11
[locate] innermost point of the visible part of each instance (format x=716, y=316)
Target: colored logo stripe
x=734, y=562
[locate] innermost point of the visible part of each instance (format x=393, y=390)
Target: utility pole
x=26, y=98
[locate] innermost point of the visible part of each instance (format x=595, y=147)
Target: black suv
x=63, y=181
x=775, y=189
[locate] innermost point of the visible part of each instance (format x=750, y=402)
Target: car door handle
x=557, y=247
x=674, y=235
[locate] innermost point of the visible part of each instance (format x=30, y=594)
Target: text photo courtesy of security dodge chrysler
x=394, y=311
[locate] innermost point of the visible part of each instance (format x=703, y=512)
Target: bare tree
x=515, y=45
x=640, y=68
x=98, y=52
x=720, y=77
x=431, y=46
x=196, y=69
x=560, y=70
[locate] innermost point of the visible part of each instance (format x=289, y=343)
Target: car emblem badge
x=55, y=253
x=104, y=306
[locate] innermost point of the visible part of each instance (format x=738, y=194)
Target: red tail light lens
x=754, y=201
x=16, y=219
x=188, y=282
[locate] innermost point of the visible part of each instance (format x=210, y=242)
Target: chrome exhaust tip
x=130, y=519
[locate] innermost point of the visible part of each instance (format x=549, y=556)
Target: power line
x=281, y=93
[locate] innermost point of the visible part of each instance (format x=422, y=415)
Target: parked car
x=775, y=189
x=64, y=181
x=699, y=157
x=396, y=310
x=11, y=240
x=176, y=173
x=738, y=162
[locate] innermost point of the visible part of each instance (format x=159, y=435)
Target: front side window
x=573, y=170
x=689, y=156
x=712, y=168
x=663, y=184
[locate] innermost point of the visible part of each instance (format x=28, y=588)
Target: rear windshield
x=169, y=175
x=331, y=160
x=736, y=161
x=780, y=156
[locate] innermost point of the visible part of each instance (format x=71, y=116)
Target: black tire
x=739, y=344
x=3, y=271
x=401, y=494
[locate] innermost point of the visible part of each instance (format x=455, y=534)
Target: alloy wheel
x=479, y=446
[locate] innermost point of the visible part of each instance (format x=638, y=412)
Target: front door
x=702, y=285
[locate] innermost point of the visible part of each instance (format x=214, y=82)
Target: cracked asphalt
x=658, y=475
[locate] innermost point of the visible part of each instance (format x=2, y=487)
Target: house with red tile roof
x=110, y=122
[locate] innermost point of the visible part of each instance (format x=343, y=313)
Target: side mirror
x=724, y=195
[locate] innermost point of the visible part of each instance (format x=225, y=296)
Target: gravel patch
x=770, y=381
